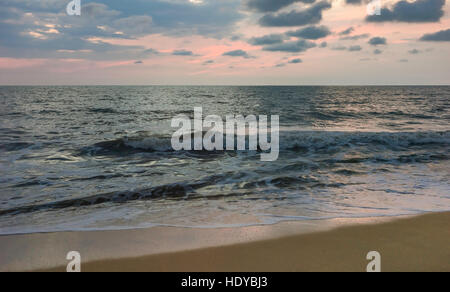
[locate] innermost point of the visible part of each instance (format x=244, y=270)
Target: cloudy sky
x=232, y=42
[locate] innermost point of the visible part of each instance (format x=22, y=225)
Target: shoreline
x=406, y=243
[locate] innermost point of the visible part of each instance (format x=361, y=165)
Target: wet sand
x=419, y=243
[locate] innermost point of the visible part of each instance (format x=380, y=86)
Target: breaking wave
x=174, y=191
x=294, y=141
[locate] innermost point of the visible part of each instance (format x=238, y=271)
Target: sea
x=75, y=158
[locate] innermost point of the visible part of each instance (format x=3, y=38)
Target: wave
x=319, y=140
x=103, y=111
x=15, y=146
x=174, y=191
x=187, y=191
x=129, y=145
x=401, y=114
x=308, y=141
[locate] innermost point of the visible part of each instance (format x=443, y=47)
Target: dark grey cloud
x=29, y=36
x=272, y=5
x=182, y=53
x=235, y=37
x=151, y=52
x=377, y=41
x=237, y=53
x=180, y=18
x=267, y=40
x=440, y=36
x=139, y=62
x=339, y=48
x=355, y=48
x=296, y=61
x=323, y=45
x=311, y=32
x=414, y=52
x=209, y=62
x=30, y=28
x=98, y=10
x=377, y=52
x=418, y=11
x=311, y=15
x=134, y=26
x=354, y=2
x=37, y=6
x=291, y=47
x=347, y=31
x=355, y=37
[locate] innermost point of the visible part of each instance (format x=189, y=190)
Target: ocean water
x=97, y=158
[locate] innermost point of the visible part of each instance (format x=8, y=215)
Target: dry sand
x=419, y=243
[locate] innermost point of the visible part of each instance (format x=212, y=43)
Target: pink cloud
x=10, y=63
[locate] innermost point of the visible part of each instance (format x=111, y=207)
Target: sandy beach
x=419, y=243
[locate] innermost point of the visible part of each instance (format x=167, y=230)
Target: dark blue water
x=92, y=158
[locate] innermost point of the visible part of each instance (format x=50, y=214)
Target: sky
x=224, y=42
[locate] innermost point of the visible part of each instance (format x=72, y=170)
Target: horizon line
x=223, y=85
